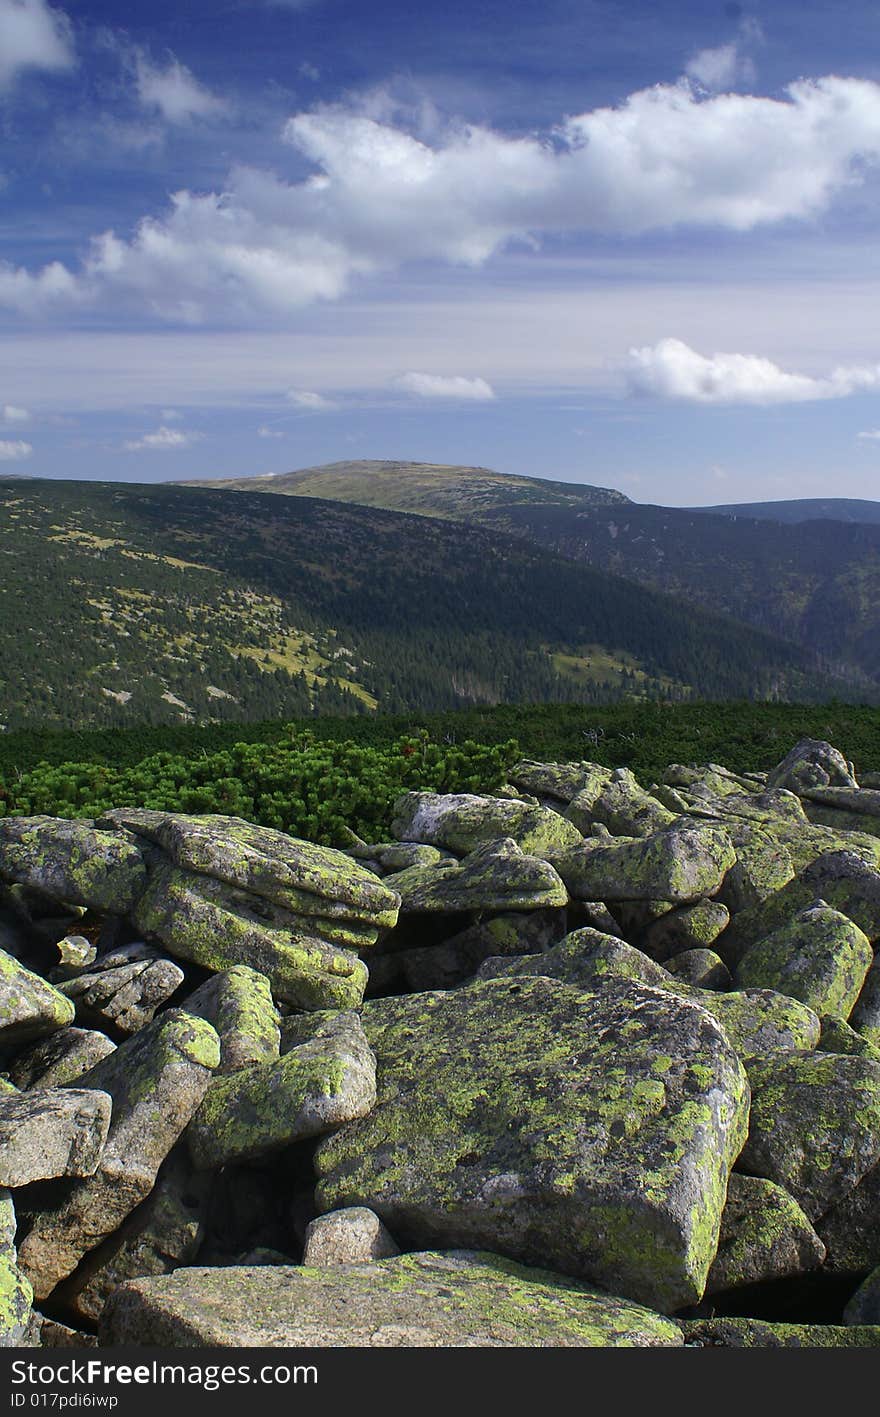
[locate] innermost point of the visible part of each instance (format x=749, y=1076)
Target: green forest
x=160, y=605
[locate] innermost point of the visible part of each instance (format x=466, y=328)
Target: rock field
x=587, y=1063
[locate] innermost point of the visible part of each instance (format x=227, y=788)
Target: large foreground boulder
x=71, y=862
x=590, y=1132
x=452, y=1300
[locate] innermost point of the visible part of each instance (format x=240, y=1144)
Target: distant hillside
x=124, y=604
x=808, y=509
x=795, y=580
x=430, y=489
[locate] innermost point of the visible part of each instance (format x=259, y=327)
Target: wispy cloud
x=728, y=64
x=871, y=433
x=13, y=414
x=14, y=451
x=163, y=440
x=265, y=432
x=445, y=386
x=306, y=399
x=379, y=197
x=670, y=369
x=173, y=90
x=33, y=36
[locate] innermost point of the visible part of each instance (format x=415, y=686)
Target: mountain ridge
x=124, y=602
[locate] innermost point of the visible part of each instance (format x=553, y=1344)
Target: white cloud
x=715, y=68
x=32, y=36
x=728, y=64
x=379, y=197
x=14, y=452
x=265, y=432
x=869, y=433
x=670, y=369
x=306, y=399
x=445, y=386
x=174, y=90
x=164, y=440
x=13, y=414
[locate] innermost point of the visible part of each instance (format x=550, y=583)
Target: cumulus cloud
x=32, y=36
x=164, y=440
x=174, y=90
x=13, y=414
x=445, y=386
x=305, y=398
x=670, y=369
x=379, y=197
x=14, y=451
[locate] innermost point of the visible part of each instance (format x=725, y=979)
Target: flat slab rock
x=588, y=1132
x=455, y=1299
x=302, y=877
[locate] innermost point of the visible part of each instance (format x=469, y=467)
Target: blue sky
x=630, y=244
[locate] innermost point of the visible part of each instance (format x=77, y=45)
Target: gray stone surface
x=51, y=1132
x=814, y=1125
x=217, y=926
x=71, y=862
x=764, y=1236
x=352, y=1236
x=29, y=1007
x=156, y=1080
x=593, y=1132
x=450, y=1300
x=260, y=1109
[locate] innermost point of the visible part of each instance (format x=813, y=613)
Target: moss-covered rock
x=764, y=1235
x=681, y=864
x=757, y=1333
x=217, y=926
x=72, y=862
x=156, y=1081
x=689, y=927
x=838, y=1036
x=756, y=1021
x=593, y=1132
x=462, y=821
x=865, y=1015
x=450, y=1300
x=812, y=763
x=297, y=875
x=763, y=866
x=162, y=1234
x=864, y=1306
x=16, y=1295
x=840, y=878
x=498, y=876
x=850, y=1229
x=29, y=1006
x=238, y=1003
x=60, y=1059
x=820, y=957
x=702, y=968
x=814, y=1126
x=555, y=780
x=621, y=804
x=262, y=1108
